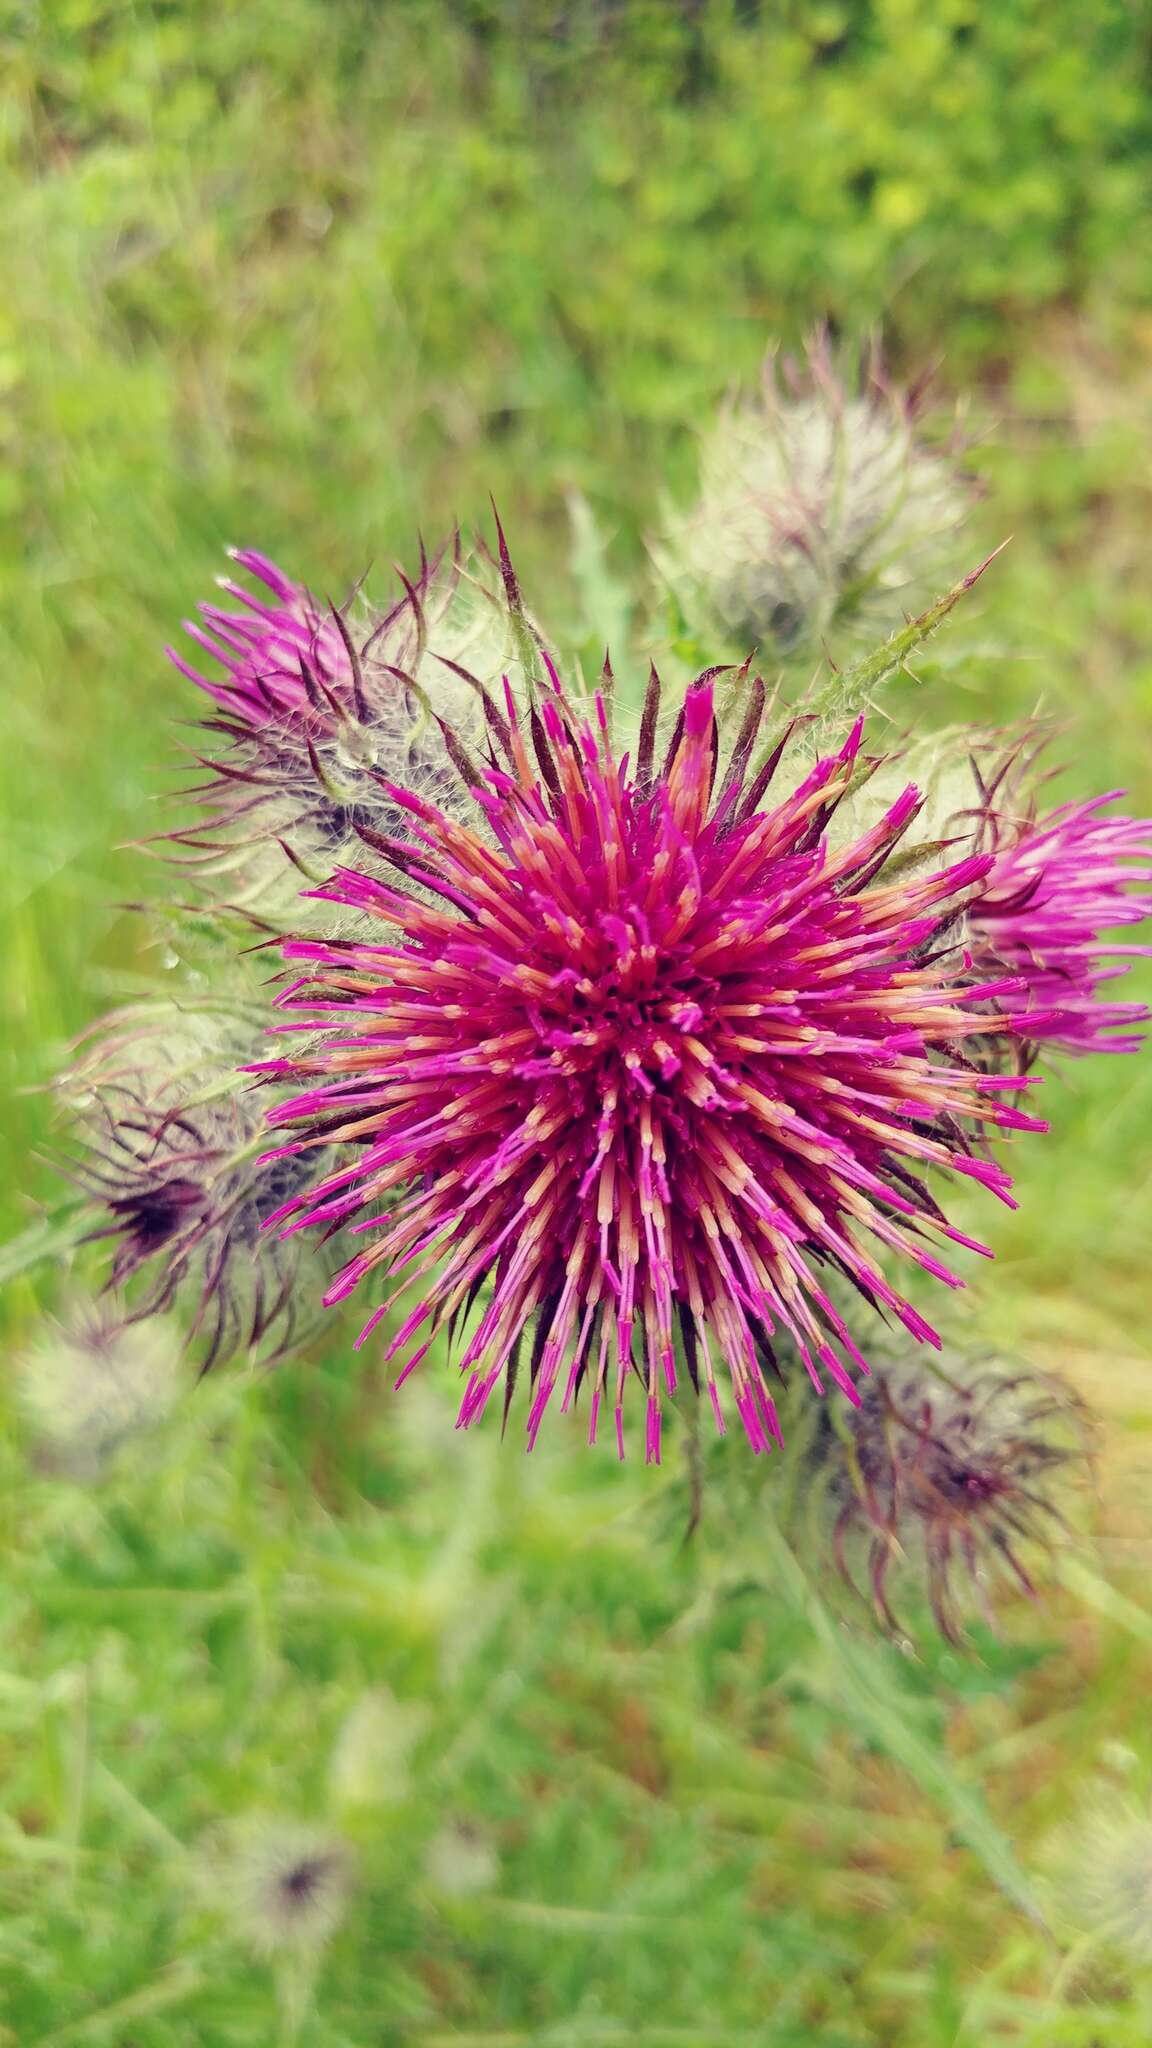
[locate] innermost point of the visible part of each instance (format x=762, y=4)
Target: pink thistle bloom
x=317, y=714
x=631, y=1064
x=1056, y=884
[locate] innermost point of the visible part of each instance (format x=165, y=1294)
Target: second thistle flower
x=1060, y=881
x=319, y=708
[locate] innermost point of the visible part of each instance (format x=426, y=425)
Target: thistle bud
x=172, y=1154
x=94, y=1381
x=955, y=1478
x=321, y=710
x=460, y=1863
x=283, y=1884
x=823, y=518
x=1100, y=1874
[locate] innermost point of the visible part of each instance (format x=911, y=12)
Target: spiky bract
x=641, y=1060
x=822, y=518
x=954, y=1474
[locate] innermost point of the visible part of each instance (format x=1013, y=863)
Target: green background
x=314, y=278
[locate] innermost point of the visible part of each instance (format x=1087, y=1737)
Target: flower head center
x=626, y=1011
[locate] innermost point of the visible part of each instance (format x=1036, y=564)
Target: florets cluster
x=645, y=1059
x=614, y=1068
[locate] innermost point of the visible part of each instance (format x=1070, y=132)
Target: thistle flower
x=955, y=1475
x=284, y=1883
x=1057, y=883
x=92, y=1382
x=169, y=1134
x=318, y=712
x=644, y=1062
x=822, y=517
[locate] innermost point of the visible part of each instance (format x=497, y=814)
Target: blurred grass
x=310, y=279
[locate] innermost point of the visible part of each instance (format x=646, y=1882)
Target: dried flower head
x=285, y=1884
x=460, y=1862
x=320, y=709
x=1057, y=884
x=1101, y=1863
x=91, y=1383
x=822, y=519
x=956, y=1474
x=170, y=1137
x=644, y=1058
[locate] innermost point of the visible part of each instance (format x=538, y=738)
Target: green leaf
x=851, y=690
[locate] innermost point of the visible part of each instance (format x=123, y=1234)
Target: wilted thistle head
x=170, y=1141
x=644, y=1057
x=1060, y=881
x=92, y=1382
x=320, y=708
x=284, y=1884
x=823, y=519
x=955, y=1476
x=1101, y=1866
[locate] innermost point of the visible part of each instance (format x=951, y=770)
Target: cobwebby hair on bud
x=824, y=518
